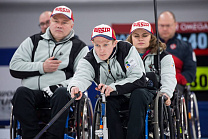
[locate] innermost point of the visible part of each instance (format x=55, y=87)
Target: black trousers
x=25, y=102
x=138, y=104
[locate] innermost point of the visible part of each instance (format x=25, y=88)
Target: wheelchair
x=158, y=123
x=193, y=121
x=78, y=124
x=179, y=115
x=153, y=128
x=179, y=120
x=185, y=114
x=192, y=113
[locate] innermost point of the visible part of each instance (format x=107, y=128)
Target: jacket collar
x=48, y=36
x=147, y=53
x=170, y=40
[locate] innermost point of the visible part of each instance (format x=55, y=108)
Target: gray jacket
x=32, y=74
x=125, y=65
x=168, y=75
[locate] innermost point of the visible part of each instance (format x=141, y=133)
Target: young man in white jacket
x=116, y=67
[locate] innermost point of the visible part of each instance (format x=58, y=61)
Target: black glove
x=48, y=91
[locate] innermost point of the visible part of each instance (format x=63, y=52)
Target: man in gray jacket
x=46, y=63
x=115, y=66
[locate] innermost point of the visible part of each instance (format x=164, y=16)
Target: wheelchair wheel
x=84, y=119
x=15, y=132
x=176, y=114
x=11, y=124
x=193, y=115
x=161, y=120
x=96, y=118
x=180, y=117
x=165, y=121
x=183, y=119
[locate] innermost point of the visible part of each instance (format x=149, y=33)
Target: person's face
x=60, y=26
x=166, y=26
x=103, y=47
x=141, y=39
x=44, y=22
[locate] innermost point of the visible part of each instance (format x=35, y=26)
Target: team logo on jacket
x=173, y=46
x=127, y=64
x=130, y=64
x=173, y=65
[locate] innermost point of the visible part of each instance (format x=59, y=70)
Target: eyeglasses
x=44, y=23
x=167, y=26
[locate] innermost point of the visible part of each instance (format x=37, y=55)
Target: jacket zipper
x=109, y=70
x=54, y=49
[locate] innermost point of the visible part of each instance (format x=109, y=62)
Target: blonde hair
x=153, y=47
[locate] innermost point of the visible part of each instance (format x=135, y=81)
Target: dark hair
x=153, y=47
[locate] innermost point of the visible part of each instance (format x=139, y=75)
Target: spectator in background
x=182, y=52
x=45, y=65
x=44, y=21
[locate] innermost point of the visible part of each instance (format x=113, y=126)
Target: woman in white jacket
x=141, y=36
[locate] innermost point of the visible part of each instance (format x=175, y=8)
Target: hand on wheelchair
x=104, y=89
x=48, y=91
x=167, y=99
x=74, y=91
